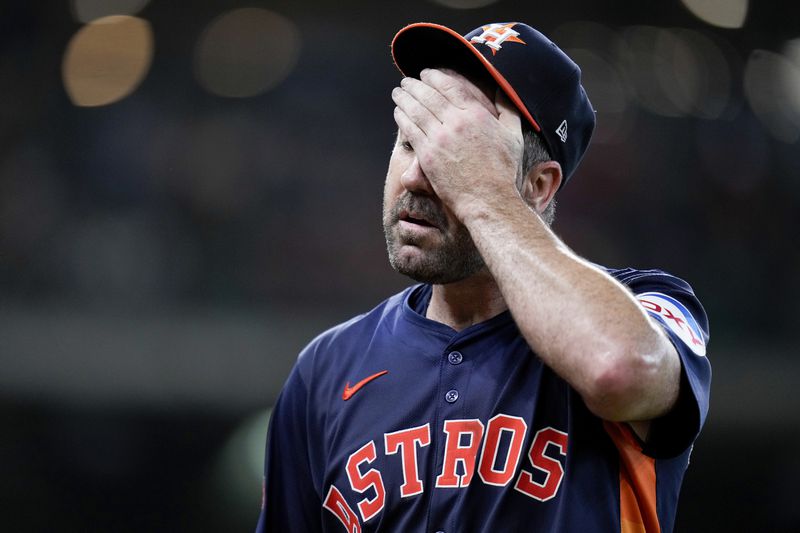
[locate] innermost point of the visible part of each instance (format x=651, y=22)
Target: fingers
x=414, y=110
x=440, y=92
x=457, y=89
x=422, y=107
x=427, y=96
x=446, y=98
x=408, y=128
x=507, y=112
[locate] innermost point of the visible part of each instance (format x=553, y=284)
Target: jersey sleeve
x=672, y=303
x=290, y=502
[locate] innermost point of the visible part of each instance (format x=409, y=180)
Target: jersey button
x=451, y=396
x=455, y=358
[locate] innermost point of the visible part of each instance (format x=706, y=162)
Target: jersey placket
x=457, y=438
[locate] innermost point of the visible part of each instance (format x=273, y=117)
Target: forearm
x=582, y=323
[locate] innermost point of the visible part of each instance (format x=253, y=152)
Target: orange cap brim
x=426, y=37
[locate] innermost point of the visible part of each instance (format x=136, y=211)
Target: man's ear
x=541, y=185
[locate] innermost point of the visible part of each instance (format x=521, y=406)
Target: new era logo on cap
x=561, y=131
x=536, y=75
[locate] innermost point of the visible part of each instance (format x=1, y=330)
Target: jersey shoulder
x=344, y=337
x=664, y=294
x=637, y=279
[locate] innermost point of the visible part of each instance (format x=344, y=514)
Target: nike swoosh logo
x=349, y=391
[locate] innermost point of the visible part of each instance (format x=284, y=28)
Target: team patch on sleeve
x=676, y=317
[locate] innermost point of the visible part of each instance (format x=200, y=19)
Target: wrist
x=484, y=208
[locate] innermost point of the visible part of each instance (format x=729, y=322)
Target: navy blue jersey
x=394, y=422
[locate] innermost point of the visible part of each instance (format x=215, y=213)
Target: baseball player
x=517, y=386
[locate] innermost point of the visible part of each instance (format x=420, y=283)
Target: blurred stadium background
x=189, y=192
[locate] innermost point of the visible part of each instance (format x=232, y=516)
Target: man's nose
x=414, y=180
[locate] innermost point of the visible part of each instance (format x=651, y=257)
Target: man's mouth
x=419, y=215
x=415, y=218
x=417, y=221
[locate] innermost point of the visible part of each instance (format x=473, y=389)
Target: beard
x=454, y=258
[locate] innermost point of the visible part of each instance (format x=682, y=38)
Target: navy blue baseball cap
x=536, y=75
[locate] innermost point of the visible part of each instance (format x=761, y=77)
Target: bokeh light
x=107, y=59
x=647, y=64
x=676, y=73
x=591, y=45
x=89, y=10
x=771, y=84
x=607, y=94
x=240, y=466
x=792, y=53
x=245, y=52
x=721, y=13
x=702, y=75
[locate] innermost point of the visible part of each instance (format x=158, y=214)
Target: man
x=518, y=387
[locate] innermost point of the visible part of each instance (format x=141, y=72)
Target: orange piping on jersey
x=637, y=482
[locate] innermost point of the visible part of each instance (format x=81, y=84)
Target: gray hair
x=535, y=151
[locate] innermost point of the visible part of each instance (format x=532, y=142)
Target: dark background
x=164, y=257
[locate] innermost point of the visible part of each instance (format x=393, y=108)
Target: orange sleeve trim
x=637, y=482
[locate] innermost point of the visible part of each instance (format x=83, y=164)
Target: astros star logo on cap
x=494, y=35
